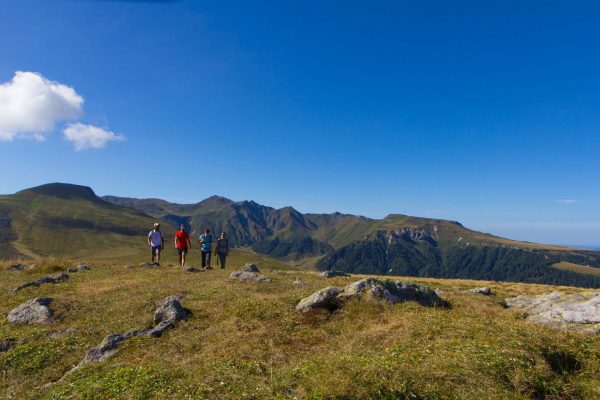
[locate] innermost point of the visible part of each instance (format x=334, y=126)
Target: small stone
x=333, y=274
x=83, y=267
x=72, y=270
x=298, y=282
x=6, y=345
x=248, y=276
x=16, y=267
x=193, y=269
x=34, y=311
x=485, y=291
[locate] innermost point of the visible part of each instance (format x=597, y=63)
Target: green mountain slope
x=65, y=220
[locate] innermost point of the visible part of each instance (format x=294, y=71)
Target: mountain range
x=71, y=221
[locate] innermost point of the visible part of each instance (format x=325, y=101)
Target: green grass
x=580, y=269
x=245, y=340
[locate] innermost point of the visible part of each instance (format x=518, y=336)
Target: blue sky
x=484, y=113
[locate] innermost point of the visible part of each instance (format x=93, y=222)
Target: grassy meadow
x=246, y=341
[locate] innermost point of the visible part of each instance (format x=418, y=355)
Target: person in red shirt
x=182, y=244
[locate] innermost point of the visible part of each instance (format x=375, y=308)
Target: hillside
x=246, y=340
x=396, y=245
x=64, y=220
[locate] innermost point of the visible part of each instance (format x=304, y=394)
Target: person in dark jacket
x=222, y=249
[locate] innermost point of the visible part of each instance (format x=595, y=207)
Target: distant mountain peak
x=64, y=191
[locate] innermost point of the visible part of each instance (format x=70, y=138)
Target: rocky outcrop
x=332, y=298
x=169, y=311
x=578, y=312
x=333, y=274
x=248, y=276
x=250, y=268
x=486, y=291
x=47, y=279
x=34, y=311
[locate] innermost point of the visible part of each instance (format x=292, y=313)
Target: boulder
x=33, y=311
x=333, y=274
x=486, y=291
x=248, y=276
x=169, y=309
x=16, y=267
x=250, y=268
x=6, y=345
x=47, y=279
x=324, y=298
x=332, y=298
x=578, y=312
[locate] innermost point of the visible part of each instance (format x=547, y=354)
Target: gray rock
x=248, y=276
x=389, y=291
x=47, y=279
x=333, y=274
x=83, y=267
x=169, y=309
x=34, y=311
x=578, y=312
x=298, y=282
x=250, y=268
x=6, y=345
x=16, y=267
x=168, y=312
x=324, y=298
x=193, y=269
x=486, y=291
x=72, y=270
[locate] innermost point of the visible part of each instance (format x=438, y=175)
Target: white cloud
x=89, y=136
x=30, y=106
x=566, y=201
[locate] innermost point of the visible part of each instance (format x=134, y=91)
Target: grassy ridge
x=246, y=341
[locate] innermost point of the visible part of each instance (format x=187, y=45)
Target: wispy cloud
x=31, y=105
x=89, y=136
x=566, y=201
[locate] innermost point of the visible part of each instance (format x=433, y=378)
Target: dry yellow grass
x=245, y=340
x=580, y=269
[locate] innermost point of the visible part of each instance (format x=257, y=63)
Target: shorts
x=156, y=249
x=182, y=250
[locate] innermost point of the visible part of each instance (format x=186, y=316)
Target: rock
x=16, y=267
x=34, y=311
x=486, y=291
x=193, y=269
x=47, y=279
x=83, y=267
x=6, y=345
x=578, y=312
x=250, y=268
x=61, y=334
x=170, y=309
x=389, y=291
x=248, y=276
x=324, y=298
x=168, y=312
x=71, y=270
x=149, y=265
x=333, y=274
x=298, y=282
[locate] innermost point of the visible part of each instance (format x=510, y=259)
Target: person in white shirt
x=156, y=243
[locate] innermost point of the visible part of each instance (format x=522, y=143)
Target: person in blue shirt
x=205, y=248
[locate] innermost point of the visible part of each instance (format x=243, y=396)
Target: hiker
x=222, y=249
x=156, y=243
x=205, y=248
x=182, y=244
